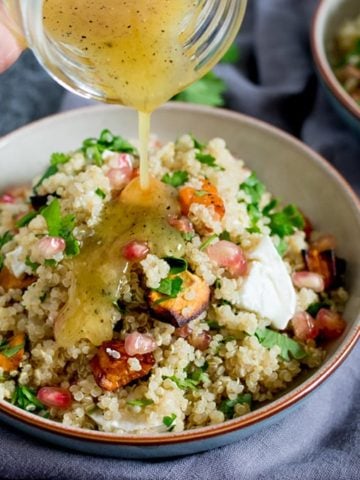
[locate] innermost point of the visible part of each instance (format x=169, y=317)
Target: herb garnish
x=170, y=287
x=228, y=406
x=25, y=398
x=8, y=351
x=208, y=242
x=170, y=422
x=32, y=265
x=177, y=265
x=176, y=179
x=93, y=148
x=286, y=221
x=59, y=226
x=314, y=308
x=253, y=188
x=100, y=193
x=55, y=160
x=4, y=239
x=269, y=338
x=26, y=219
x=140, y=402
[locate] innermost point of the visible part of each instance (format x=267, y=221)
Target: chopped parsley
x=207, y=159
x=197, y=144
x=184, y=383
x=32, y=265
x=269, y=338
x=209, y=90
x=314, y=308
x=8, y=351
x=225, y=236
x=4, y=239
x=93, y=148
x=193, y=379
x=26, y=219
x=208, y=242
x=253, y=188
x=255, y=215
x=25, y=398
x=59, y=158
x=228, y=406
x=176, y=179
x=59, y=226
x=177, y=265
x=170, y=287
x=213, y=325
x=140, y=402
x=188, y=236
x=48, y=173
x=282, y=246
x=100, y=193
x=286, y=221
x=170, y=422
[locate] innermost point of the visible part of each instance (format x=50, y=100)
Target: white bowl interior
x=331, y=16
x=289, y=169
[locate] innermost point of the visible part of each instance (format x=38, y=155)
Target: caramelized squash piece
x=325, y=263
x=111, y=369
x=8, y=281
x=12, y=362
x=181, y=310
x=207, y=196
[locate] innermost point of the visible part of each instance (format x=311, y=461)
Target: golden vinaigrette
x=130, y=51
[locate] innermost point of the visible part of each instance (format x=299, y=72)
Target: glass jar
x=203, y=33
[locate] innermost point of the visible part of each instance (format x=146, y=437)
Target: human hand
x=9, y=48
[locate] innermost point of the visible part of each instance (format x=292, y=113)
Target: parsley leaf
x=282, y=246
x=100, y=193
x=184, y=383
x=8, y=351
x=225, y=236
x=48, y=173
x=314, y=308
x=286, y=221
x=177, y=265
x=6, y=238
x=208, y=242
x=25, y=398
x=32, y=265
x=208, y=90
x=253, y=188
x=59, y=226
x=228, y=406
x=26, y=219
x=177, y=179
x=140, y=402
x=170, y=286
x=59, y=158
x=269, y=338
x=170, y=422
x=93, y=148
x=197, y=144
x=206, y=159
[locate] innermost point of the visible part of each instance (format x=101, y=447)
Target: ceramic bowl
x=329, y=17
x=290, y=170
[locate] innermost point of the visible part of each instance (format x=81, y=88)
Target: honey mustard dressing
x=100, y=271
x=132, y=51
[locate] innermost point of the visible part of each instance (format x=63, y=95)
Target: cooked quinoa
x=212, y=359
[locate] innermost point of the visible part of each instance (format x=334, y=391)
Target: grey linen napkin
x=274, y=81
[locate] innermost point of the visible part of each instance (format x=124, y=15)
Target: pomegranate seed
x=121, y=171
x=331, y=324
x=48, y=247
x=183, y=331
x=311, y=280
x=138, y=344
x=229, y=255
x=200, y=341
x=181, y=224
x=55, y=397
x=7, y=198
x=135, y=251
x=305, y=327
x=324, y=242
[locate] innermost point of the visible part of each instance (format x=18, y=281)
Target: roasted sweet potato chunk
x=111, y=369
x=190, y=302
x=8, y=281
x=12, y=353
x=326, y=264
x=207, y=196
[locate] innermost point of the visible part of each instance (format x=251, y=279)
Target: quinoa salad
x=347, y=57
x=183, y=306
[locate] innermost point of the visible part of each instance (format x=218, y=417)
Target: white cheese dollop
x=268, y=290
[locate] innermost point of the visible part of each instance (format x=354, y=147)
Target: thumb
x=9, y=48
